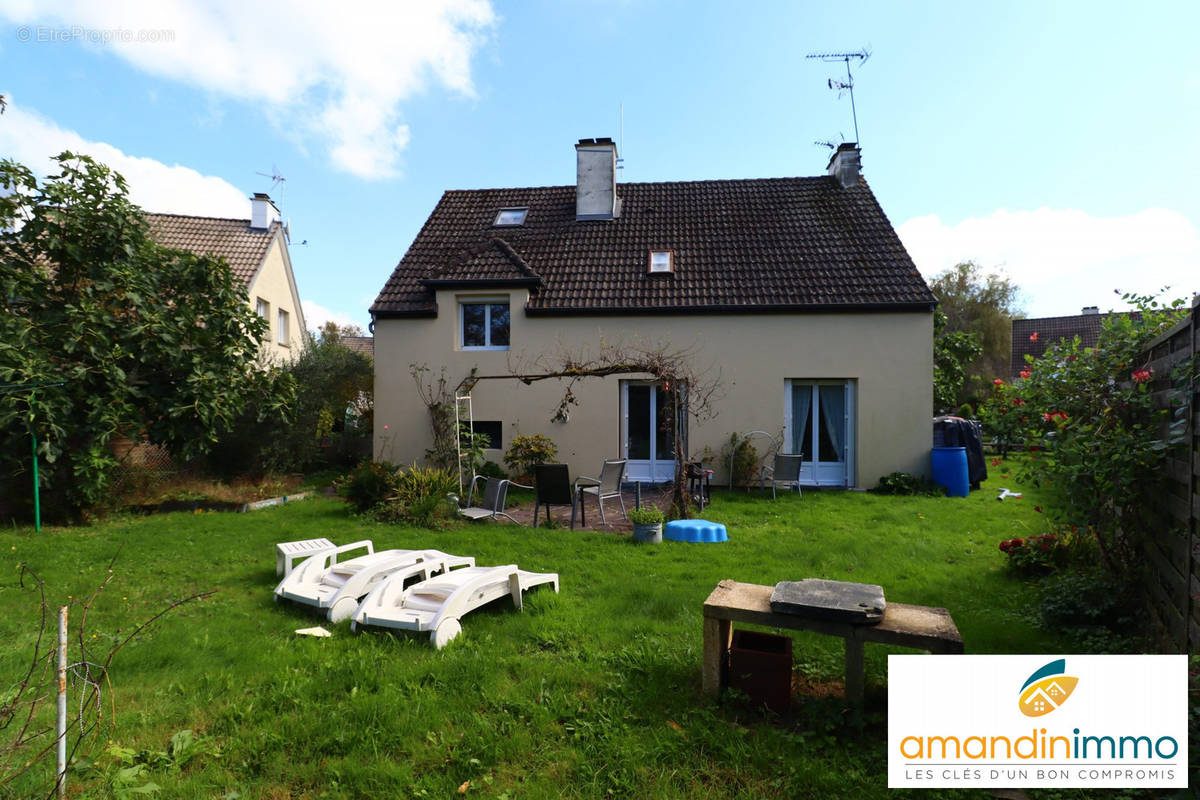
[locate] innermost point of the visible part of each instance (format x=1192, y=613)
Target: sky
x=1054, y=143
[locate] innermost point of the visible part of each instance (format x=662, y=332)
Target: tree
x=952, y=352
x=331, y=420
x=984, y=305
x=140, y=340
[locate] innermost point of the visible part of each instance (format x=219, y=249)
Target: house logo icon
x=1046, y=689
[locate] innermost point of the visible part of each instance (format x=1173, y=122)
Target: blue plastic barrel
x=950, y=470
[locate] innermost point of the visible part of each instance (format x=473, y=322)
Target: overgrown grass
x=594, y=692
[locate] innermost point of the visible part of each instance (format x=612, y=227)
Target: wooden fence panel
x=1173, y=556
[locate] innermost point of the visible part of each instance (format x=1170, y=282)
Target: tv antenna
x=621, y=137
x=830, y=145
x=276, y=180
x=848, y=85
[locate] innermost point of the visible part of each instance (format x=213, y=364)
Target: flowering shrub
x=1038, y=554
x=1089, y=422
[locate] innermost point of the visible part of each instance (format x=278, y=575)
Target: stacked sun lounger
x=417, y=590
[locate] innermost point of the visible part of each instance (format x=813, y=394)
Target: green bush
x=421, y=497
x=526, y=451
x=1093, y=607
x=369, y=484
x=490, y=469
x=745, y=460
x=1041, y=553
x=902, y=483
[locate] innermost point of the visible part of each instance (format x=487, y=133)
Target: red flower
x=1070, y=358
x=1142, y=375
x=1017, y=542
x=1033, y=448
x=995, y=462
x=1033, y=336
x=998, y=382
x=1018, y=401
x=1026, y=373
x=1046, y=417
x=1038, y=509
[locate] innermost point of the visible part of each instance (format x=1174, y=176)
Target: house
x=360, y=344
x=795, y=291
x=257, y=252
x=1032, y=336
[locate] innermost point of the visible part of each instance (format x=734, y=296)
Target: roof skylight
x=662, y=261
x=511, y=216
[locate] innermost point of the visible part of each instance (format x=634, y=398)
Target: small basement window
x=511, y=216
x=662, y=261
x=491, y=429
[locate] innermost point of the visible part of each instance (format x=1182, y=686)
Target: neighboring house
x=795, y=291
x=360, y=344
x=257, y=252
x=1052, y=330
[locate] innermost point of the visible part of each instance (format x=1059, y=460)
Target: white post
x=62, y=702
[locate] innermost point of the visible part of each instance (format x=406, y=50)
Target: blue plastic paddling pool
x=695, y=530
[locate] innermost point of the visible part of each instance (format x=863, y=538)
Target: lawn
x=594, y=692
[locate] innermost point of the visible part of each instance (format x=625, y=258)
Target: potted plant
x=647, y=524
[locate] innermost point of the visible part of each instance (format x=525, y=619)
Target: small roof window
x=511, y=216
x=662, y=261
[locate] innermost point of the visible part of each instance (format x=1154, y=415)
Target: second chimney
x=596, y=179
x=846, y=164
x=262, y=211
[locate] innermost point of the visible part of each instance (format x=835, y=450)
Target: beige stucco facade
x=275, y=284
x=886, y=358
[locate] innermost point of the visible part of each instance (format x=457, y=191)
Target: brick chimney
x=262, y=212
x=596, y=179
x=846, y=164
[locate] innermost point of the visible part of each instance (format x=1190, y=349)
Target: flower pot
x=650, y=534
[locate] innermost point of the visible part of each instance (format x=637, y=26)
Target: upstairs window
x=264, y=309
x=483, y=324
x=283, y=328
x=662, y=261
x=511, y=216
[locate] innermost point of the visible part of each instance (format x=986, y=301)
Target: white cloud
x=317, y=315
x=331, y=71
x=32, y=139
x=1065, y=259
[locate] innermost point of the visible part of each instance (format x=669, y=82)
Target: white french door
x=819, y=425
x=647, y=440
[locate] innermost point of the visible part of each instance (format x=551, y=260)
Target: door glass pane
x=639, y=421
x=473, y=330
x=664, y=440
x=833, y=423
x=499, y=325
x=802, y=419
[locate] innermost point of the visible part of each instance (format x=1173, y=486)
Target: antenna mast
x=862, y=56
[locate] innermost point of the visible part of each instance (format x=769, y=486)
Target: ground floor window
x=819, y=425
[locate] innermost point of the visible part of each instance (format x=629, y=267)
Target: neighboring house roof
x=360, y=344
x=240, y=245
x=775, y=244
x=1051, y=330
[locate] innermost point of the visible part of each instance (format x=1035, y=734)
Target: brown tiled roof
x=242, y=246
x=360, y=344
x=739, y=245
x=1051, y=330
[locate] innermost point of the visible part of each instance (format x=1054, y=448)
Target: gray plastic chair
x=606, y=487
x=492, y=501
x=785, y=472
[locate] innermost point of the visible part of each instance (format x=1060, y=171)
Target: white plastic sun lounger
x=437, y=604
x=329, y=582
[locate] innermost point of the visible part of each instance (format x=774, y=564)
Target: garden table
x=919, y=627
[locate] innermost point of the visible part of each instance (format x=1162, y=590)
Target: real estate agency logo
x=1046, y=689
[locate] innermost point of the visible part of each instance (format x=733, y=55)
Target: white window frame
x=487, y=303
x=670, y=268
x=282, y=336
x=524, y=210
x=264, y=309
x=851, y=430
